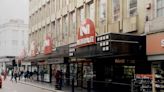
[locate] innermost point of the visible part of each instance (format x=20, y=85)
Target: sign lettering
x=86, y=34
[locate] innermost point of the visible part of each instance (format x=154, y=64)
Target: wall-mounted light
x=98, y=38
x=107, y=37
x=104, y=48
x=101, y=43
x=148, y=6
x=107, y=43
x=103, y=37
x=107, y=48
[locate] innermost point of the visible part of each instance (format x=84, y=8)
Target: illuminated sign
x=86, y=34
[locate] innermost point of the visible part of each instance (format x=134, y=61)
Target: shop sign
x=33, y=48
x=155, y=43
x=86, y=34
x=72, y=49
x=162, y=42
x=120, y=61
x=47, y=45
x=42, y=62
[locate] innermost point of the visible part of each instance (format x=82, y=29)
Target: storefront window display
x=44, y=73
x=73, y=73
x=87, y=73
x=158, y=73
x=81, y=72
x=34, y=71
x=59, y=67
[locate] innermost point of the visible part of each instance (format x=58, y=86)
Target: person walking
x=58, y=77
x=5, y=74
x=12, y=75
x=15, y=75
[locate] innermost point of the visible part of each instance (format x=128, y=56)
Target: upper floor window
x=132, y=7
x=82, y=15
x=91, y=11
x=102, y=10
x=65, y=27
x=160, y=8
x=73, y=21
x=72, y=32
x=116, y=10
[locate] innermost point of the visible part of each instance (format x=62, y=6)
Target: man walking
x=12, y=74
x=15, y=75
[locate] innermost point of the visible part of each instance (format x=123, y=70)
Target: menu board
x=142, y=83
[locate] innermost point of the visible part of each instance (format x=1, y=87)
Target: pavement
x=12, y=86
x=40, y=85
x=50, y=86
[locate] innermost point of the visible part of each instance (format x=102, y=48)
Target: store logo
x=47, y=45
x=86, y=34
x=84, y=30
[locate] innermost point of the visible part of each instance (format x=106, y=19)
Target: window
x=91, y=11
x=53, y=33
x=116, y=10
x=102, y=10
x=65, y=30
x=58, y=32
x=72, y=33
x=160, y=8
x=132, y=7
x=82, y=15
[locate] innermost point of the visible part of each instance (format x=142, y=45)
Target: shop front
x=155, y=53
x=49, y=64
x=110, y=60
x=115, y=59
x=81, y=65
x=44, y=65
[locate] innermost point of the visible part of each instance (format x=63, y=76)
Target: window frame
x=156, y=9
x=128, y=8
x=89, y=11
x=100, y=19
x=113, y=15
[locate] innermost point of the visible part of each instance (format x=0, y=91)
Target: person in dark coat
x=12, y=75
x=58, y=77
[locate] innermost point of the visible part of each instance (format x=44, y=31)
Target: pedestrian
x=5, y=74
x=42, y=75
x=58, y=77
x=15, y=75
x=12, y=75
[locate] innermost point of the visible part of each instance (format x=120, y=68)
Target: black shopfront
x=47, y=65
x=113, y=62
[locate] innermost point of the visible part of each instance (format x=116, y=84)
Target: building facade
x=154, y=42
x=13, y=40
x=101, y=40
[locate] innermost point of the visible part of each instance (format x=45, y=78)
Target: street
x=9, y=86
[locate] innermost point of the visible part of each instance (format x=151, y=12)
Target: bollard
x=73, y=85
x=89, y=85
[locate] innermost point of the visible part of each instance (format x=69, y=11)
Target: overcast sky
x=13, y=9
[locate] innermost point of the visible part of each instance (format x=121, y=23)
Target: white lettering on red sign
x=162, y=42
x=86, y=34
x=84, y=30
x=85, y=40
